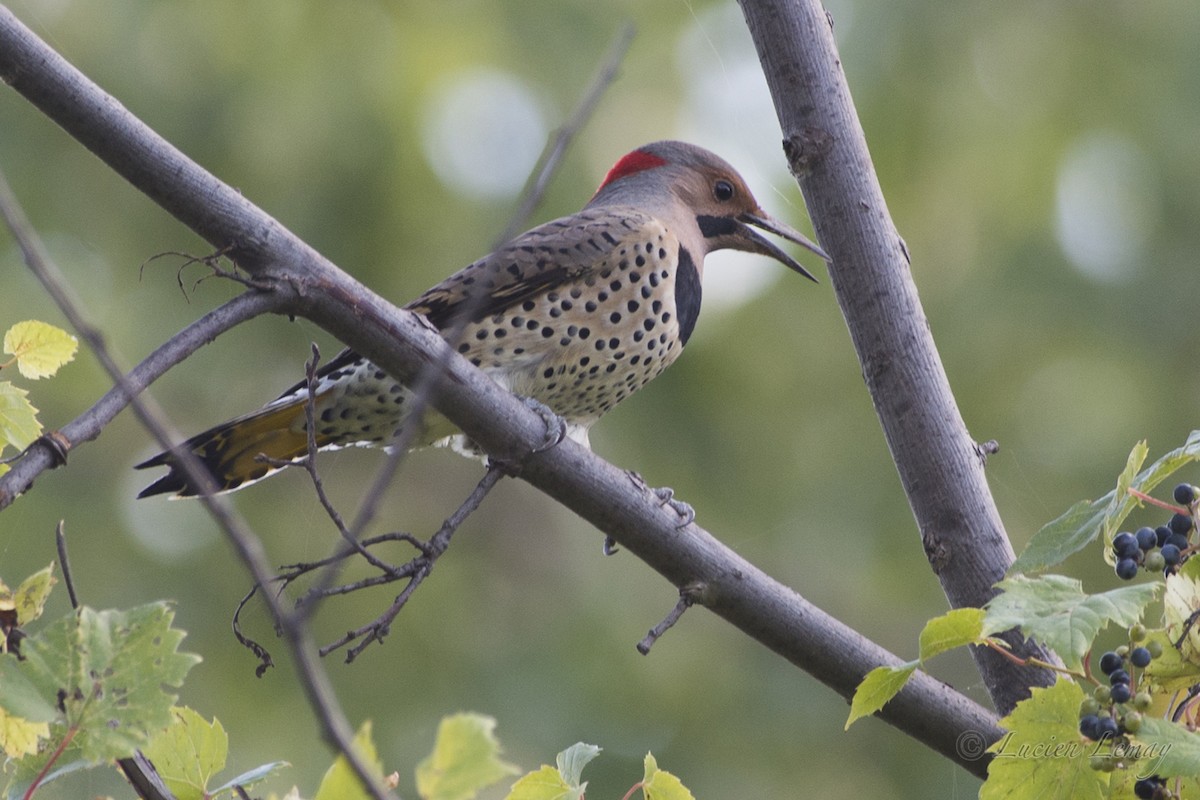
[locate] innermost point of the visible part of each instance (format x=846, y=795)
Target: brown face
x=726, y=210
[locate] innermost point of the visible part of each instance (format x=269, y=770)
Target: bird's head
x=684, y=183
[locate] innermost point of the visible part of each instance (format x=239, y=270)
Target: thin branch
x=550, y=158
x=64, y=563
x=41, y=456
x=675, y=614
x=420, y=568
x=313, y=677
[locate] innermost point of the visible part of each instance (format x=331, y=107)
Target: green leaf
x=40, y=348
x=340, y=781
x=1054, y=610
x=1181, y=601
x=105, y=671
x=956, y=628
x=1086, y=520
x=660, y=785
x=1042, y=755
x=20, y=696
x=1170, y=672
x=30, y=597
x=188, y=753
x=543, y=784
x=1170, y=749
x=19, y=425
x=19, y=737
x=572, y=761
x=465, y=759
x=878, y=687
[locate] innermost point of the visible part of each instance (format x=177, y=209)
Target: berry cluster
x=1116, y=709
x=1151, y=788
x=1160, y=549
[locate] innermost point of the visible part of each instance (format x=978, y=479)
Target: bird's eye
x=723, y=191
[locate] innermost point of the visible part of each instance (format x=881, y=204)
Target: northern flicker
x=577, y=314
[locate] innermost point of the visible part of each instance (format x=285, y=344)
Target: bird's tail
x=230, y=451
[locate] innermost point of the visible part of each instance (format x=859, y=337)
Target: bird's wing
x=558, y=252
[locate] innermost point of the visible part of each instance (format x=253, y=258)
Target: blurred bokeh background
x=1039, y=158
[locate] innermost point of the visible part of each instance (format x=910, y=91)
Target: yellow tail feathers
x=230, y=451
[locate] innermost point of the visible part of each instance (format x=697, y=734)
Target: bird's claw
x=556, y=427
x=666, y=497
x=556, y=431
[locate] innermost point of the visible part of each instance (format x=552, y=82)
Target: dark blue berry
x=1162, y=533
x=1145, y=789
x=1118, y=676
x=1139, y=657
x=1089, y=726
x=1121, y=693
x=1125, y=545
x=1110, y=662
x=1108, y=728
x=1127, y=569
x=1170, y=554
x=1185, y=495
x=1180, y=540
x=1181, y=523
x=1147, y=539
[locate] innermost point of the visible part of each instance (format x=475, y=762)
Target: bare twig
x=550, y=158
x=655, y=633
x=144, y=778
x=60, y=543
x=421, y=566
x=336, y=728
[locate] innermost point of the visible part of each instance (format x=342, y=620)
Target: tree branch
x=938, y=462
x=398, y=342
x=41, y=456
x=313, y=678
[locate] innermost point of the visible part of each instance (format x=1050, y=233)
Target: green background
x=1039, y=159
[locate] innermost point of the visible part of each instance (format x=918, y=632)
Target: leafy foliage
x=88, y=688
x=465, y=758
x=39, y=350
x=658, y=784
x=340, y=782
x=1083, y=522
x=1055, y=610
x=1043, y=755
x=1131, y=731
x=955, y=628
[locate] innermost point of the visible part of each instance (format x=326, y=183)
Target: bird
x=574, y=315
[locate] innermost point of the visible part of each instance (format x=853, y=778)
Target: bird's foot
x=556, y=426
x=666, y=497
x=556, y=431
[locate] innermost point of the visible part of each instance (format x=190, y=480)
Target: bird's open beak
x=760, y=244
